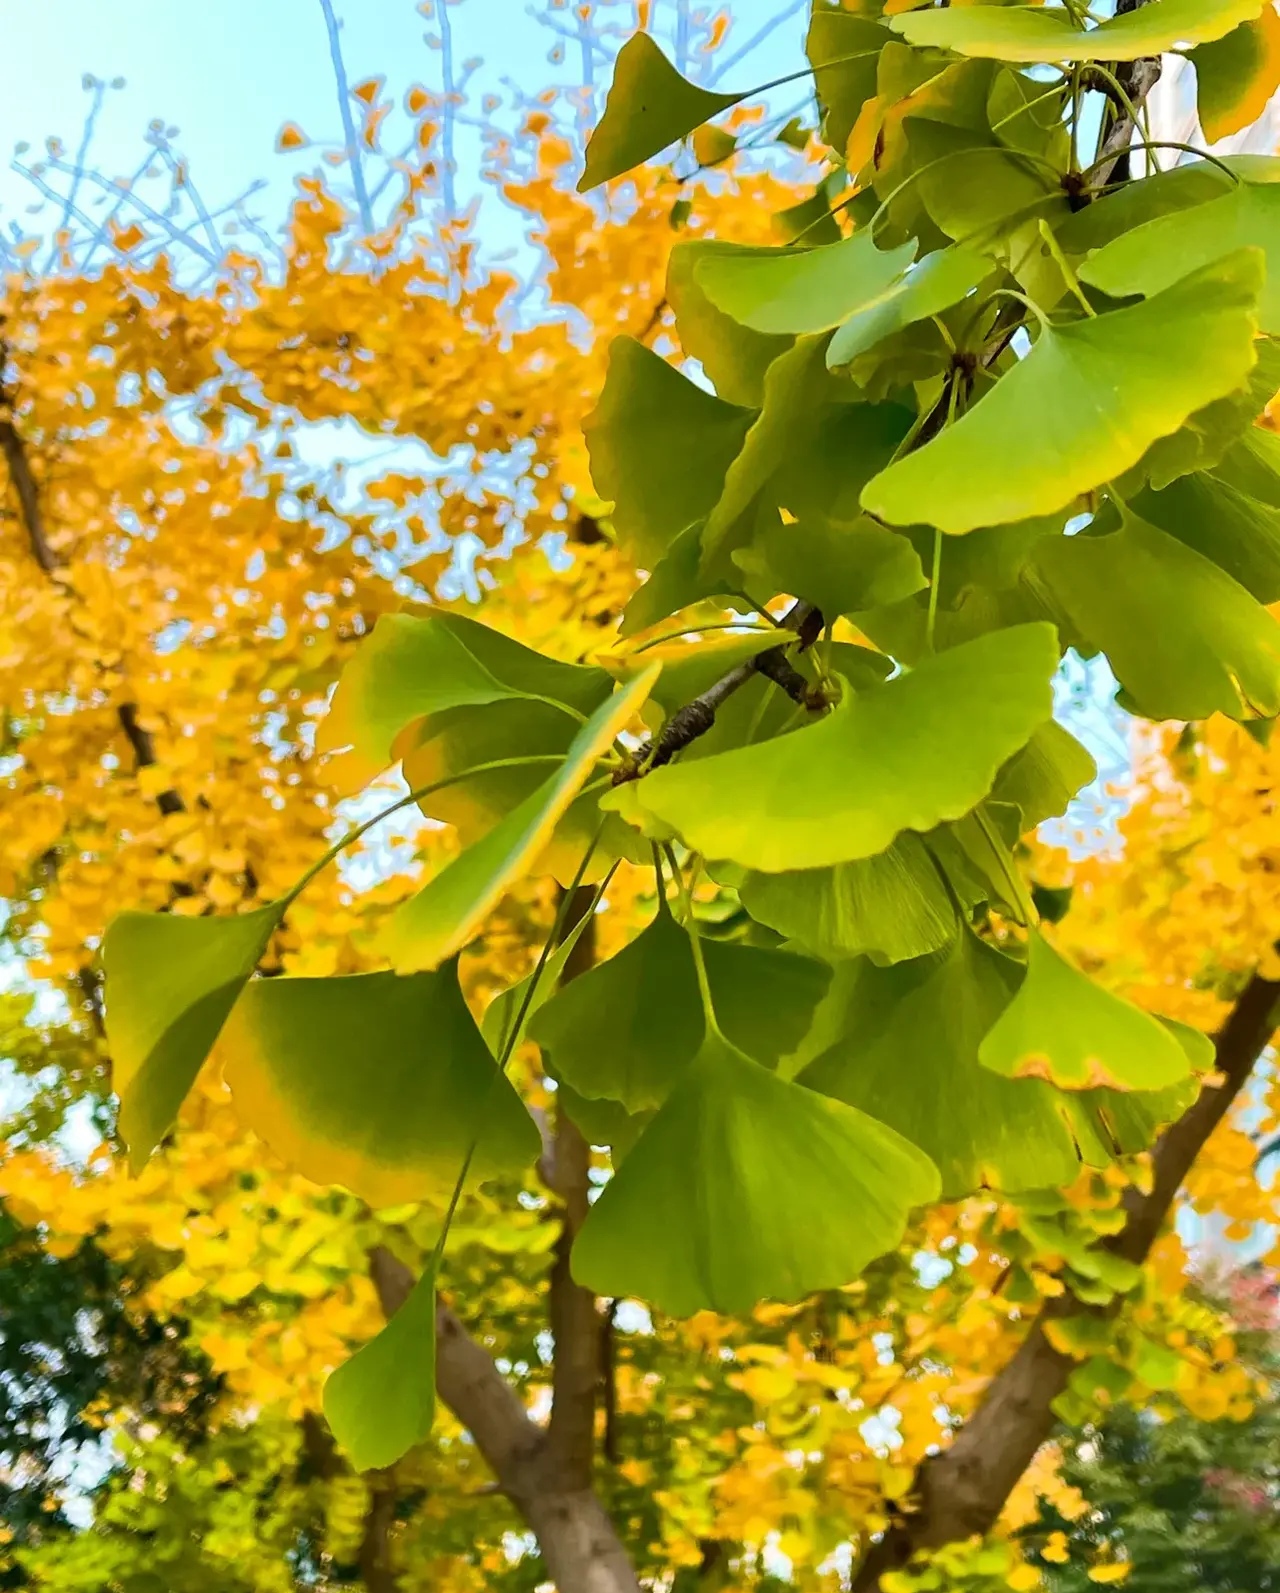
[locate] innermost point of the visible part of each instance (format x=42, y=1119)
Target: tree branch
x=695, y=718
x=579, y=1544
x=24, y=484
x=962, y=1491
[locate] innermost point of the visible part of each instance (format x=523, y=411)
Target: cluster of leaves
x=1039, y=392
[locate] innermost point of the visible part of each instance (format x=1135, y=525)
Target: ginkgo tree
x=993, y=401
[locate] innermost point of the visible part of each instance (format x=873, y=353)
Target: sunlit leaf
x=1042, y=779
x=381, y=1402
x=795, y=290
x=374, y=1082
x=844, y=51
x=941, y=280
x=1027, y=35
x=1083, y=406
x=902, y=756
x=1065, y=1027
x=747, y=1187
x=448, y=912
x=411, y=668
x=660, y=446
x=170, y=984
x=650, y=106
x=1184, y=640
x=1152, y=257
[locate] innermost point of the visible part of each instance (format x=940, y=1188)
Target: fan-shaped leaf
x=1184, y=640
x=1028, y=35
x=650, y=106
x=1152, y=257
x=844, y=51
x=1084, y=405
x=841, y=569
x=374, y=1082
x=1063, y=1027
x=941, y=280
x=891, y=906
x=447, y=913
x=170, y=984
x=794, y=290
x=382, y=1401
x=746, y=1187
x=1237, y=75
x=733, y=357
x=1042, y=779
x=902, y=756
x=660, y=447
x=628, y=1028
x=411, y=668
x=1240, y=535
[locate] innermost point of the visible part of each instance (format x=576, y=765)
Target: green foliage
x=979, y=410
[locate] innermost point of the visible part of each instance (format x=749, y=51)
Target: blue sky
x=227, y=76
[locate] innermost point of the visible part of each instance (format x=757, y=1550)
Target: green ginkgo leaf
x=1240, y=534
x=381, y=1402
x=374, y=1082
x=1042, y=779
x=841, y=569
x=734, y=358
x=1083, y=406
x=796, y=290
x=940, y=281
x=1184, y=639
x=660, y=446
x=1064, y=1027
x=628, y=1028
x=411, y=668
x=902, y=756
x=891, y=906
x=1152, y=257
x=844, y=52
x=746, y=1187
x=1028, y=35
x=907, y=1054
x=1214, y=431
x=170, y=984
x=449, y=911
x=650, y=106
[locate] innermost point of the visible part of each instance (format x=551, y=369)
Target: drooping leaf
x=746, y=1187
x=1042, y=779
x=1213, y=431
x=1028, y=35
x=170, y=984
x=841, y=569
x=1237, y=75
x=891, y=906
x=844, y=51
x=1083, y=407
x=1184, y=640
x=902, y=756
x=650, y=106
x=1154, y=256
x=628, y=1028
x=793, y=290
x=447, y=913
x=374, y=1082
x=941, y=280
x=1240, y=534
x=1064, y=1027
x=660, y=447
x=906, y=1053
x=733, y=357
x=381, y=1402
x=412, y=668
